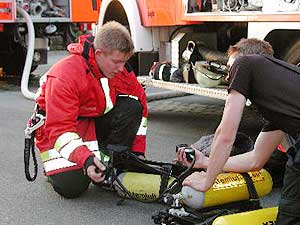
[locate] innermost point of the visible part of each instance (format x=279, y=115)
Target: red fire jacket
x=74, y=87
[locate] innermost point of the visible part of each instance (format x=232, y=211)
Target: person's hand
x=198, y=181
x=201, y=160
x=96, y=171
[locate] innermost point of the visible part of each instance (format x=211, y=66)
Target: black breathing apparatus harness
x=122, y=160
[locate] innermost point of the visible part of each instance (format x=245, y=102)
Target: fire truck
x=162, y=29
x=22, y=19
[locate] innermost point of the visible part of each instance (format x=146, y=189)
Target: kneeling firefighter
x=89, y=100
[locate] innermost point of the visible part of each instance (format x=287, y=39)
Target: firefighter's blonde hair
x=113, y=36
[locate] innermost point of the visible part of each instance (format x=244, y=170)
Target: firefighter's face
x=110, y=63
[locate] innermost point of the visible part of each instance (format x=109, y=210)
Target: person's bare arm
x=225, y=135
x=222, y=144
x=264, y=146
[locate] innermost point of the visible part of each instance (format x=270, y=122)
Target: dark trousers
x=289, y=205
x=119, y=126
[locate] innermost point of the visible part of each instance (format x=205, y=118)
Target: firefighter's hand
x=201, y=160
x=198, y=181
x=96, y=171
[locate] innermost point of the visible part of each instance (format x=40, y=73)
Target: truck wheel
x=292, y=55
x=14, y=62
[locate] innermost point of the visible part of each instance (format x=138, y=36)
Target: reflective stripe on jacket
x=53, y=160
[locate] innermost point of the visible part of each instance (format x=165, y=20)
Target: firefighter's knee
x=70, y=184
x=69, y=192
x=136, y=106
x=130, y=106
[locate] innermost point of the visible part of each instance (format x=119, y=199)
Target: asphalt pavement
x=171, y=122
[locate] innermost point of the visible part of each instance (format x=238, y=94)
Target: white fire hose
x=30, y=50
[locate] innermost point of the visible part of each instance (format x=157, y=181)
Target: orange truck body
x=162, y=13
x=85, y=11
x=80, y=11
x=173, y=12
x=7, y=11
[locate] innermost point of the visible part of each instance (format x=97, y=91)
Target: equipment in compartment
x=46, y=8
x=238, y=5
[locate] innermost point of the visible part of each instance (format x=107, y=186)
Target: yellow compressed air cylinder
x=141, y=186
x=228, y=187
x=265, y=216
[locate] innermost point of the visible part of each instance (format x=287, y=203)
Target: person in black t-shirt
x=273, y=86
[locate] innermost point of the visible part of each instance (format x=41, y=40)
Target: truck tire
x=292, y=55
x=13, y=62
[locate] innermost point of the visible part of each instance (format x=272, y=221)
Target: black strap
x=165, y=178
x=29, y=147
x=89, y=162
x=40, y=111
x=88, y=44
x=128, y=67
x=254, y=199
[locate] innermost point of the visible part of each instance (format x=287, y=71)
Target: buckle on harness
x=36, y=121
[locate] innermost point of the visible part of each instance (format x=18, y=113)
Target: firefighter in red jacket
x=90, y=99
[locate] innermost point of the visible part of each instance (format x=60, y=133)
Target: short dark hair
x=251, y=46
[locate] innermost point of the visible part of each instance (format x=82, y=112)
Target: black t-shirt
x=273, y=86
